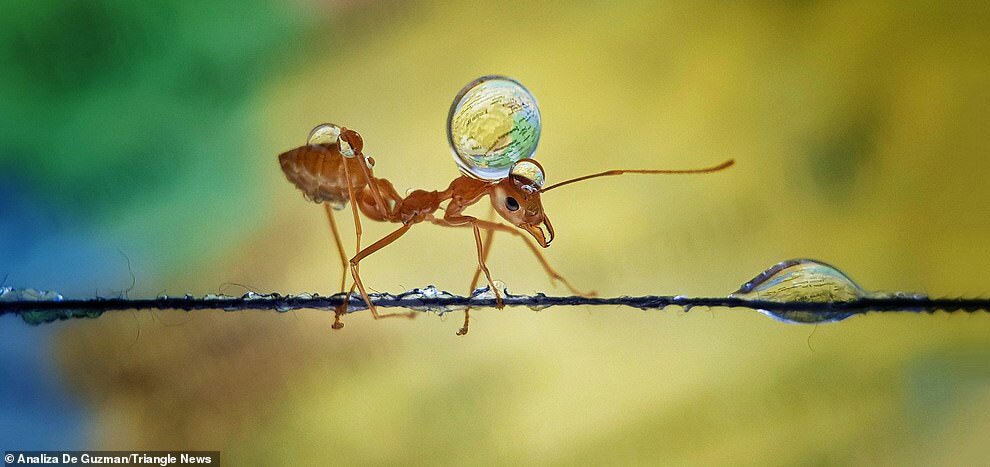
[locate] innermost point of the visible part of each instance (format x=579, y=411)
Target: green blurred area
x=859, y=132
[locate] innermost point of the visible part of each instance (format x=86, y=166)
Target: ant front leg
x=458, y=220
x=554, y=275
x=487, y=247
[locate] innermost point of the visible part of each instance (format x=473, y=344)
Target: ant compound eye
x=326, y=133
x=511, y=204
x=493, y=122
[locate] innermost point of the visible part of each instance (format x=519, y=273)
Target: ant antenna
x=716, y=168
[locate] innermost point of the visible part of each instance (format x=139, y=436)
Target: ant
x=493, y=127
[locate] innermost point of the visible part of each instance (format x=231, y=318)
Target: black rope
x=43, y=311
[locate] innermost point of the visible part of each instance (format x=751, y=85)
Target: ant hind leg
x=342, y=308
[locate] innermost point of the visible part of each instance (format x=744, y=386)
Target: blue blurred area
x=37, y=412
x=39, y=247
x=42, y=246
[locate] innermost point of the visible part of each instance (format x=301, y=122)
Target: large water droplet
x=493, y=122
x=802, y=281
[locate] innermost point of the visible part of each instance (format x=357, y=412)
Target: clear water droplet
x=493, y=122
x=802, y=281
x=326, y=134
x=415, y=297
x=9, y=294
x=538, y=307
x=345, y=148
x=528, y=175
x=251, y=295
x=36, y=317
x=213, y=296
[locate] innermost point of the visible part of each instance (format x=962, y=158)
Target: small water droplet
x=486, y=293
x=424, y=299
x=36, y=317
x=538, y=306
x=802, y=281
x=345, y=148
x=528, y=175
x=9, y=294
x=326, y=133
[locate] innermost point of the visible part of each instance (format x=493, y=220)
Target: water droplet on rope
x=424, y=299
x=36, y=317
x=802, y=281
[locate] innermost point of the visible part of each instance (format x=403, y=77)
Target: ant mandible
x=493, y=128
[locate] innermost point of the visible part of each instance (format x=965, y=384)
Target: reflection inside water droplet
x=528, y=175
x=802, y=281
x=326, y=133
x=493, y=122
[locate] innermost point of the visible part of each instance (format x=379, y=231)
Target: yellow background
x=860, y=138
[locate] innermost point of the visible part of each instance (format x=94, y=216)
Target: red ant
x=493, y=127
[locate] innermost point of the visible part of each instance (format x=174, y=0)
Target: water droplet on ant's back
x=493, y=122
x=325, y=133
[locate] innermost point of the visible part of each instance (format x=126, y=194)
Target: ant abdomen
x=318, y=169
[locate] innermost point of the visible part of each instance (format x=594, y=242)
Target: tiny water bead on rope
x=795, y=291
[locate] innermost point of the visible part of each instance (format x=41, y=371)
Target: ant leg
x=554, y=275
x=355, y=141
x=484, y=268
x=343, y=263
x=458, y=220
x=340, y=245
x=489, y=236
x=342, y=308
x=356, y=260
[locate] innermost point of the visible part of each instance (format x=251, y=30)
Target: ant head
x=517, y=199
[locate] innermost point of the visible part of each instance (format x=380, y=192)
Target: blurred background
x=138, y=147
